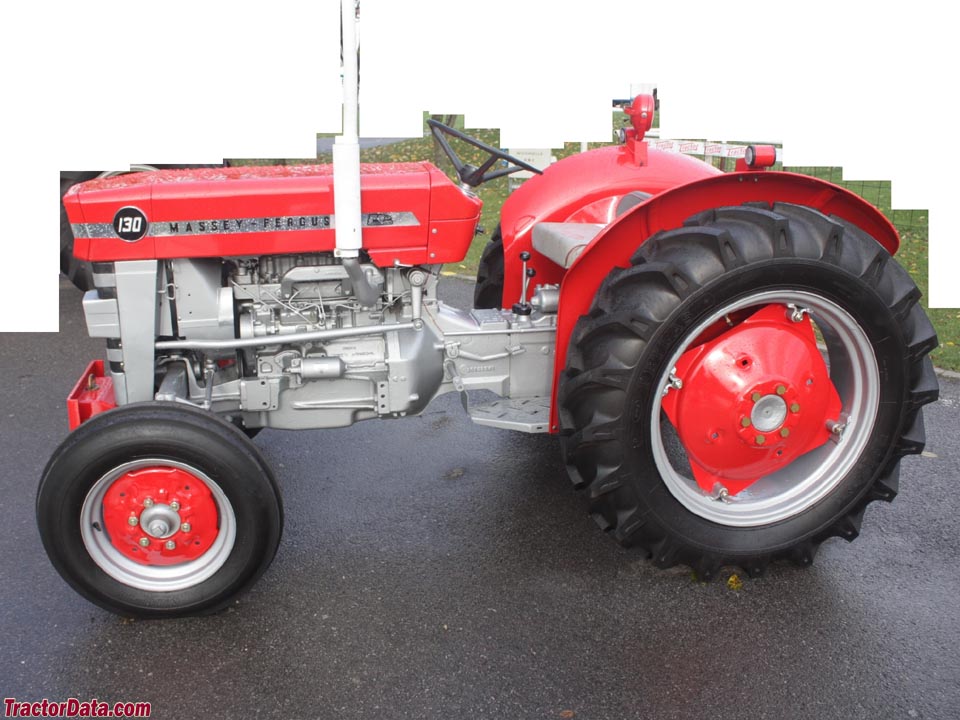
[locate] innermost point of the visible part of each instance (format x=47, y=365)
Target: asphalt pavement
x=431, y=568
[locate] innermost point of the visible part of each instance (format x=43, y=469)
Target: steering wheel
x=471, y=174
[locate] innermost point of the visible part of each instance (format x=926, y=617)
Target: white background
x=103, y=84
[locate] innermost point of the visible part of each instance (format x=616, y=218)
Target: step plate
x=531, y=415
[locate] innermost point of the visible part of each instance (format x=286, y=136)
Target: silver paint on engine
x=301, y=350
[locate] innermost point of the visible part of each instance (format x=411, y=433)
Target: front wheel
x=746, y=388
x=159, y=510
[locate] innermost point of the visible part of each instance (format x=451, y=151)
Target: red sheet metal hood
x=412, y=213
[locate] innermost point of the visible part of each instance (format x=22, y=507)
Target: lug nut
x=781, y=389
x=174, y=505
x=144, y=542
x=785, y=432
x=795, y=407
x=756, y=397
x=170, y=545
x=760, y=439
x=745, y=422
x=133, y=521
x=185, y=527
x=148, y=502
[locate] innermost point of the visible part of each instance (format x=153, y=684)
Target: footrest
x=531, y=415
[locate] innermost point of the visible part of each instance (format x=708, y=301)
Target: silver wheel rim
x=154, y=578
x=813, y=476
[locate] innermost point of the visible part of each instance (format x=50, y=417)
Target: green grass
x=912, y=224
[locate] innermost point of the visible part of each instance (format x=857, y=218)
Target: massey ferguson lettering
x=214, y=225
x=243, y=225
x=130, y=224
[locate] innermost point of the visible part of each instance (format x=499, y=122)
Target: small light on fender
x=760, y=156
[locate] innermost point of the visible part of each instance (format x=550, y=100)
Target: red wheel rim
x=158, y=525
x=754, y=399
x=736, y=479
x=160, y=515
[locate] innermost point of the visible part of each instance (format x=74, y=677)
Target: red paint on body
x=584, y=188
x=614, y=246
x=271, y=196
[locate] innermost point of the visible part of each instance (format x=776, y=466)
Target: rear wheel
x=746, y=388
x=159, y=510
x=488, y=292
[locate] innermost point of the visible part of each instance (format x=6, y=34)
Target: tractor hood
x=412, y=213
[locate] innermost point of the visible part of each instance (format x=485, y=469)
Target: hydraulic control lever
x=523, y=307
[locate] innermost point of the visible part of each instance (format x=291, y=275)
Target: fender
x=584, y=188
x=614, y=246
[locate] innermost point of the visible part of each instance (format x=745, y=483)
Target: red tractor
x=734, y=363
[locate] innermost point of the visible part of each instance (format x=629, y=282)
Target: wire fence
x=876, y=192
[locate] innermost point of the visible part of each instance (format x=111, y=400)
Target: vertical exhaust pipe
x=346, y=165
x=346, y=148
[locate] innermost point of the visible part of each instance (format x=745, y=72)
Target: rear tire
x=620, y=446
x=488, y=292
x=204, y=511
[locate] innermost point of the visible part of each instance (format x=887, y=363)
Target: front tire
x=159, y=510
x=701, y=418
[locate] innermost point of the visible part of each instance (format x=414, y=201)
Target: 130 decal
x=130, y=224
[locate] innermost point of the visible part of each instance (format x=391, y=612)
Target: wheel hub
x=769, y=413
x=160, y=521
x=160, y=515
x=753, y=399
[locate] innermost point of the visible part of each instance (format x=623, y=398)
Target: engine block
x=284, y=341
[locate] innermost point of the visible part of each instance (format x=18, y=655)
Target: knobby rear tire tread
x=632, y=311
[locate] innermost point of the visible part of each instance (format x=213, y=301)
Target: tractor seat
x=563, y=242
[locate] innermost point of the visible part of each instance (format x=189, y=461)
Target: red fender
x=584, y=188
x=614, y=246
